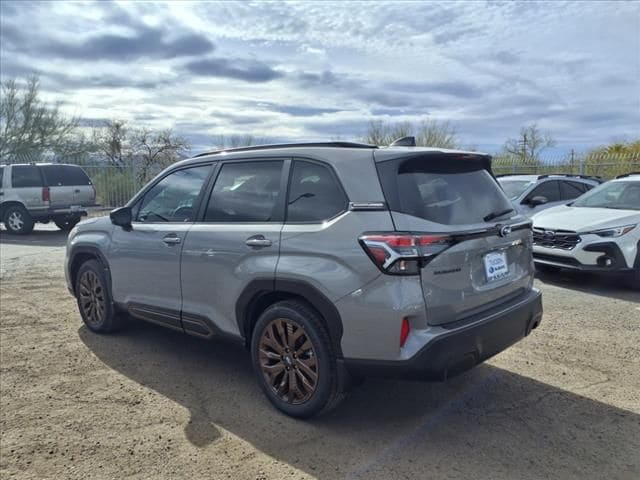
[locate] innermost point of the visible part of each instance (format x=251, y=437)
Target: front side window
x=173, y=199
x=314, y=194
x=24, y=176
x=571, y=190
x=246, y=192
x=617, y=195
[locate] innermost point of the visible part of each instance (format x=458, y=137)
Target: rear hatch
x=483, y=254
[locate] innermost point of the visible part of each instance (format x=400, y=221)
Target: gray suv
x=329, y=262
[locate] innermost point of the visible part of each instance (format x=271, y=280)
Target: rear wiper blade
x=493, y=215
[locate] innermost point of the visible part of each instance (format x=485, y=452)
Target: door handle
x=171, y=239
x=258, y=241
x=77, y=190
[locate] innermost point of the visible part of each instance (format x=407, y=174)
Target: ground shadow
x=40, y=237
x=488, y=423
x=611, y=286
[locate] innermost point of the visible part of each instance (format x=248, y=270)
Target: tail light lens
x=403, y=254
x=46, y=194
x=405, y=328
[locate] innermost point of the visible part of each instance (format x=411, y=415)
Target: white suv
x=43, y=192
x=600, y=231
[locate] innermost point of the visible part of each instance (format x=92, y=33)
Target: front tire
x=94, y=299
x=18, y=221
x=67, y=224
x=293, y=360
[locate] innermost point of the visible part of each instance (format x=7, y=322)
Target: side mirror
x=122, y=217
x=538, y=200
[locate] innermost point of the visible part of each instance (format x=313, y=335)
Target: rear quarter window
x=65, y=175
x=444, y=190
x=25, y=176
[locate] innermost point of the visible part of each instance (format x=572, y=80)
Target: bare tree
x=156, y=150
x=530, y=143
x=29, y=127
x=428, y=133
x=235, y=141
x=112, y=140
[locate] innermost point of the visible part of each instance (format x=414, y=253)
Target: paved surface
x=149, y=403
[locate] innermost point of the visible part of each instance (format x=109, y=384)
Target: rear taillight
x=46, y=195
x=403, y=253
x=405, y=328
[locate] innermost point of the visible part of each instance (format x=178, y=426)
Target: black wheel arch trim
x=94, y=252
x=249, y=301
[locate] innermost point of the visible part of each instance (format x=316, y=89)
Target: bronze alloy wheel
x=92, y=298
x=288, y=361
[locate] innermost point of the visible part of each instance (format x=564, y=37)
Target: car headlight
x=613, y=232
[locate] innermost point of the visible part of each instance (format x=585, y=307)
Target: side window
x=571, y=190
x=23, y=176
x=65, y=175
x=173, y=199
x=549, y=189
x=245, y=192
x=314, y=193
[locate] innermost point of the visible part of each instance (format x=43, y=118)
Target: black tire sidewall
x=315, y=331
x=107, y=324
x=27, y=225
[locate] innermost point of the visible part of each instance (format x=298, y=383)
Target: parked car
x=43, y=192
x=329, y=261
x=599, y=232
x=533, y=193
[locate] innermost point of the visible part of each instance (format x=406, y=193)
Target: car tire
x=294, y=361
x=94, y=299
x=17, y=220
x=547, y=269
x=67, y=224
x=634, y=281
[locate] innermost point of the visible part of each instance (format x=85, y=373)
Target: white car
x=600, y=231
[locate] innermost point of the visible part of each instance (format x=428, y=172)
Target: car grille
x=563, y=239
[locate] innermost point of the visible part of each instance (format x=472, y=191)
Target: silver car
x=328, y=261
x=531, y=194
x=43, y=192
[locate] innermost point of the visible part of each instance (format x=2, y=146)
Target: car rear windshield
x=442, y=189
x=65, y=176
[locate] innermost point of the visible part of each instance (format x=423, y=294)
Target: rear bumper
x=462, y=345
x=57, y=213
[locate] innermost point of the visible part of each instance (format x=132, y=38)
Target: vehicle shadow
x=487, y=423
x=39, y=237
x=611, y=286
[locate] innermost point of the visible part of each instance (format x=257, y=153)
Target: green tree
x=29, y=127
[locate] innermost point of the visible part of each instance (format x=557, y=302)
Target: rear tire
x=294, y=362
x=94, y=299
x=17, y=220
x=67, y=224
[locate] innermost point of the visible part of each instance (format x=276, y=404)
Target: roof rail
x=513, y=174
x=573, y=175
x=289, y=145
x=624, y=175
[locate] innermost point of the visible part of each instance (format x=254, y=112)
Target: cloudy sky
x=320, y=70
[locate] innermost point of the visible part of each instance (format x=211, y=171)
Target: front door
x=237, y=241
x=145, y=261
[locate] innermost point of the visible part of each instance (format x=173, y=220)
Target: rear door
x=236, y=241
x=484, y=264
x=27, y=182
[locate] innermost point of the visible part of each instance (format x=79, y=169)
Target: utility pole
x=573, y=159
x=524, y=148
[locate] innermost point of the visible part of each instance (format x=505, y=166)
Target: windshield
x=619, y=195
x=514, y=188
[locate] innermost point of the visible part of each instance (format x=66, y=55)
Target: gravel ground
x=149, y=403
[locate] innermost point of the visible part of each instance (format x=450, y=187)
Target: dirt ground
x=149, y=403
